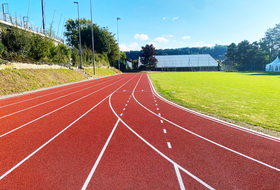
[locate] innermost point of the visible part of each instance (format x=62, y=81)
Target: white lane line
x=89, y=83
x=212, y=118
x=155, y=101
x=156, y=104
x=99, y=157
x=160, y=153
x=159, y=114
x=169, y=145
x=208, y=140
x=164, y=130
x=161, y=121
x=50, y=100
x=125, y=104
x=123, y=108
x=157, y=108
x=56, y=110
x=128, y=101
x=26, y=158
x=121, y=114
x=21, y=162
x=180, y=180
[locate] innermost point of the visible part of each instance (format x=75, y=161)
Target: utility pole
x=43, y=15
x=92, y=39
x=118, y=43
x=80, y=49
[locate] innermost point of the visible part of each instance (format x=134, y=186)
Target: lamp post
x=92, y=39
x=80, y=49
x=118, y=42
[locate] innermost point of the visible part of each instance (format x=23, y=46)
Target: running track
x=118, y=133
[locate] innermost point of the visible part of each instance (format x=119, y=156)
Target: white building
x=186, y=62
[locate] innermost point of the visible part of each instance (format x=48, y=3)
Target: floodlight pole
x=80, y=49
x=118, y=42
x=92, y=39
x=43, y=15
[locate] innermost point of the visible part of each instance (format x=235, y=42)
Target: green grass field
x=252, y=98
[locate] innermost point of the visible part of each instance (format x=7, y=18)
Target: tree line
x=259, y=52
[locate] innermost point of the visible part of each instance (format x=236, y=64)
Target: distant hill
x=217, y=51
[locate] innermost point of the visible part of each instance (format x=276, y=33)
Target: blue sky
x=165, y=23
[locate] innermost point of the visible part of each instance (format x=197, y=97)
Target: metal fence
x=249, y=67
x=28, y=26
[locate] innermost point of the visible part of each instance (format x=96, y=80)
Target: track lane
x=14, y=122
x=30, y=96
x=170, y=111
x=18, y=145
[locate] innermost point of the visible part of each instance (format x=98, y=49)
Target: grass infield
x=252, y=98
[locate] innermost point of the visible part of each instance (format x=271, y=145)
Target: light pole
x=118, y=42
x=92, y=39
x=80, y=49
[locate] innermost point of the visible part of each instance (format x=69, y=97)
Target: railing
x=28, y=26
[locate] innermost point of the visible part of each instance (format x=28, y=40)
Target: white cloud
x=141, y=36
x=123, y=47
x=202, y=44
x=161, y=40
x=167, y=36
x=164, y=18
x=186, y=37
x=132, y=46
x=154, y=44
x=175, y=18
x=181, y=42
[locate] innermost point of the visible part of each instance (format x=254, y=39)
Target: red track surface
x=117, y=133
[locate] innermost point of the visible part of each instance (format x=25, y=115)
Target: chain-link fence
x=249, y=67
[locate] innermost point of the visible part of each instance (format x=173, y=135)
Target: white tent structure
x=186, y=62
x=273, y=66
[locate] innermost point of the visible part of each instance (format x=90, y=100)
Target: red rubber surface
x=117, y=133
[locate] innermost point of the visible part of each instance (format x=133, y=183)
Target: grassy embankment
x=21, y=80
x=99, y=72
x=252, y=98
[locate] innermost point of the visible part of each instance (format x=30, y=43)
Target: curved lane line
x=212, y=118
x=57, y=109
x=208, y=140
x=30, y=155
x=50, y=100
x=105, y=146
x=155, y=149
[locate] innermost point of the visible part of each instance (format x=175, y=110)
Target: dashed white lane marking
x=121, y=114
x=158, y=113
x=155, y=101
x=156, y=104
x=128, y=101
x=157, y=108
x=164, y=130
x=161, y=121
x=123, y=108
x=125, y=104
x=169, y=145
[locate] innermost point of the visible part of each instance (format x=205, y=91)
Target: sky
x=164, y=23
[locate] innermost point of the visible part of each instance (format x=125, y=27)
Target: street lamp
x=92, y=39
x=80, y=49
x=118, y=42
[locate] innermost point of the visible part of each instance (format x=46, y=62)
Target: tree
x=104, y=41
x=147, y=57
